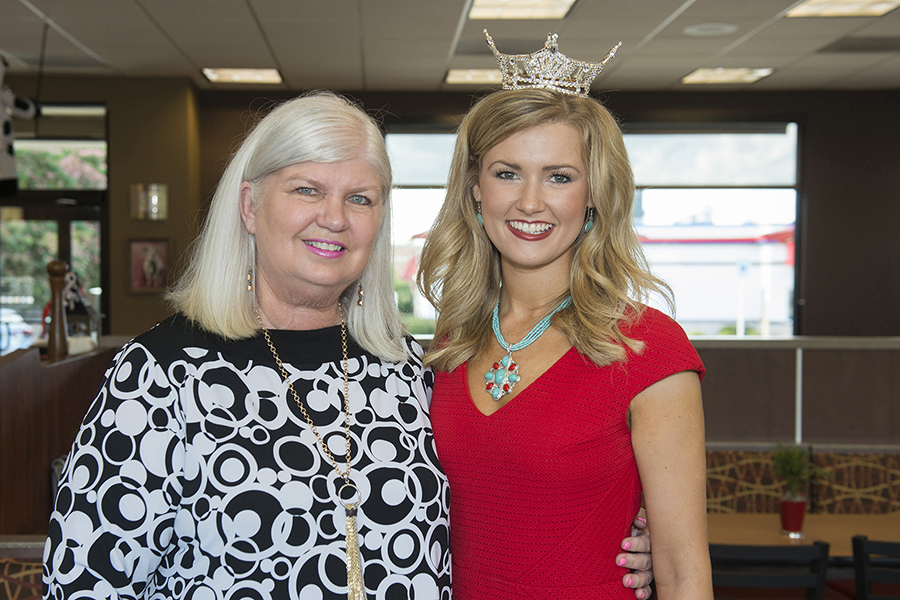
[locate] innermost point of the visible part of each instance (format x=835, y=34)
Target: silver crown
x=548, y=68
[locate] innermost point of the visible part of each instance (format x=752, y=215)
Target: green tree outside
x=62, y=168
x=25, y=249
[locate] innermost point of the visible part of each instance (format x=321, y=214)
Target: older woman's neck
x=298, y=317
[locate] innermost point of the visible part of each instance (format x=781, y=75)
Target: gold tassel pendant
x=356, y=590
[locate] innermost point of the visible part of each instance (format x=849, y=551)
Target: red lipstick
x=529, y=237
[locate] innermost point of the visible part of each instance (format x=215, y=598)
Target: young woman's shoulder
x=665, y=343
x=653, y=323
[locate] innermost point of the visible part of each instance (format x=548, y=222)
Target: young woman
x=560, y=398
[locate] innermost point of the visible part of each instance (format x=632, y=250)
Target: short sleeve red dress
x=543, y=491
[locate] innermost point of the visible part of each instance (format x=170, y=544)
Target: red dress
x=543, y=491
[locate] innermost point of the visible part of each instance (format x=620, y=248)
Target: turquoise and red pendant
x=502, y=377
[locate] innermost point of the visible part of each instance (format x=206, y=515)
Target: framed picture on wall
x=149, y=265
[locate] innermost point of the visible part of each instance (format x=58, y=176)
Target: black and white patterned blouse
x=195, y=475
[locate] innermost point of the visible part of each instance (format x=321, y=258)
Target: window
x=716, y=211
x=59, y=212
x=61, y=164
x=421, y=165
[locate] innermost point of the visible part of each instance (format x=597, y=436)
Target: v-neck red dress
x=544, y=490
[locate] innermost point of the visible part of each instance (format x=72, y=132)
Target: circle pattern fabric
x=195, y=475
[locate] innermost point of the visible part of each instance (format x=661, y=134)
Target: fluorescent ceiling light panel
x=520, y=9
x=723, y=75
x=474, y=76
x=73, y=110
x=267, y=76
x=843, y=8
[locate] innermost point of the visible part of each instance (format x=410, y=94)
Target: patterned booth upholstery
x=743, y=481
x=20, y=579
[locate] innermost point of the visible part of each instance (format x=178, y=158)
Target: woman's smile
x=325, y=249
x=529, y=230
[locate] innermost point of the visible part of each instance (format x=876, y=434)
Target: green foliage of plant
x=86, y=253
x=25, y=249
x=415, y=325
x=62, y=169
x=792, y=463
x=732, y=330
x=26, y=246
x=404, y=296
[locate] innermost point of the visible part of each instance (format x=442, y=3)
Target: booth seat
x=861, y=481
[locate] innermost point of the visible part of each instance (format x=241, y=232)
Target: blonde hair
x=318, y=127
x=609, y=278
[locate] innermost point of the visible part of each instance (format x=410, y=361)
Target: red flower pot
x=792, y=513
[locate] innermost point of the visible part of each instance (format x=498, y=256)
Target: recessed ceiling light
x=710, y=29
x=473, y=76
x=520, y=9
x=843, y=8
x=262, y=76
x=726, y=75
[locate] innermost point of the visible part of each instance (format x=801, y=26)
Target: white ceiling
x=410, y=44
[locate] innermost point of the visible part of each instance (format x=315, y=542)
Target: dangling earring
x=359, y=294
x=478, y=214
x=590, y=219
x=250, y=266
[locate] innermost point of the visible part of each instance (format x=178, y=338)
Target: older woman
x=561, y=399
x=235, y=447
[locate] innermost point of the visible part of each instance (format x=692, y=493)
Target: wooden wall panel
x=41, y=407
x=748, y=394
x=851, y=396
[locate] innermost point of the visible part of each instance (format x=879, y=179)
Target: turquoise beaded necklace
x=504, y=374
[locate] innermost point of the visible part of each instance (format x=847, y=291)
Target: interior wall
x=153, y=135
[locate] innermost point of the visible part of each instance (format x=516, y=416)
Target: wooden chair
x=883, y=567
x=772, y=567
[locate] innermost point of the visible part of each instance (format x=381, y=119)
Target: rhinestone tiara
x=548, y=68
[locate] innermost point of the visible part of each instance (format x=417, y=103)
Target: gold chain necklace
x=355, y=588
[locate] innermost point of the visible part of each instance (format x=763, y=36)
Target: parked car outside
x=15, y=333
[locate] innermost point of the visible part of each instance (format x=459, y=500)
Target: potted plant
x=793, y=465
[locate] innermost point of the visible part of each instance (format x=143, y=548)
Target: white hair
x=318, y=127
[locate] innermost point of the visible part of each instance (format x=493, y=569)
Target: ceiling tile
x=655, y=11
x=400, y=17
x=887, y=25
x=756, y=60
x=606, y=29
x=883, y=75
x=824, y=27
x=307, y=11
x=837, y=62
x=728, y=10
